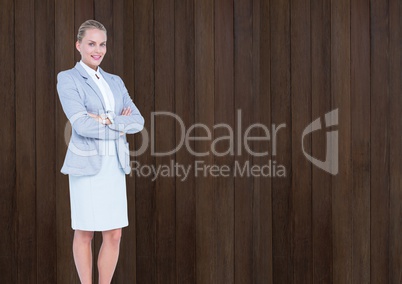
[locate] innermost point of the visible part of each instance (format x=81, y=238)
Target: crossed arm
x=126, y=112
x=88, y=124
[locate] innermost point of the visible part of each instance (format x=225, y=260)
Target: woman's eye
x=103, y=44
x=91, y=44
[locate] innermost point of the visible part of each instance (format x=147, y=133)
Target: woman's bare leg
x=108, y=255
x=83, y=255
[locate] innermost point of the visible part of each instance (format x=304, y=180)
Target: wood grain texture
x=144, y=70
x=244, y=183
x=119, y=33
x=379, y=136
x=8, y=212
x=301, y=106
x=25, y=145
x=45, y=99
x=165, y=141
x=263, y=267
x=395, y=127
x=262, y=207
x=360, y=114
x=321, y=103
x=281, y=114
x=224, y=113
x=342, y=182
x=206, y=244
x=184, y=40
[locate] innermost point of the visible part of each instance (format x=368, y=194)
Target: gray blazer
x=79, y=95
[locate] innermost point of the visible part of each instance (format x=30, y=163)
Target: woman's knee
x=112, y=236
x=83, y=236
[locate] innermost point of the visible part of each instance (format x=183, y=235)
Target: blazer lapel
x=90, y=82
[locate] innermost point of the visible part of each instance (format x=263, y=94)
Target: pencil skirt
x=99, y=202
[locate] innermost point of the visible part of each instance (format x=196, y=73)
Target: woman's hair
x=89, y=25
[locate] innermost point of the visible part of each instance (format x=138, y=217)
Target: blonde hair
x=89, y=25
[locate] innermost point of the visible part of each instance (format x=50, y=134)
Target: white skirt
x=99, y=202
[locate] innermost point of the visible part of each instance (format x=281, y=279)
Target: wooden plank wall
x=278, y=63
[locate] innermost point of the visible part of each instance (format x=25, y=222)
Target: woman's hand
x=95, y=116
x=99, y=119
x=126, y=111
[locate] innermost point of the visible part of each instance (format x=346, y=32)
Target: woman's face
x=92, y=47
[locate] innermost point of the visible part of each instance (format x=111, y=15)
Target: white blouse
x=102, y=85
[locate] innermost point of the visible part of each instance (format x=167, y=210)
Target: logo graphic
x=330, y=165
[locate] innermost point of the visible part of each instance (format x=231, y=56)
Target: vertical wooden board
x=321, y=104
x=360, y=115
x=144, y=95
x=379, y=142
x=184, y=108
x=259, y=242
x=224, y=112
x=119, y=33
x=257, y=147
x=204, y=114
x=165, y=140
x=263, y=272
x=25, y=143
x=83, y=10
x=130, y=239
x=395, y=246
x=64, y=59
x=281, y=107
x=103, y=11
x=124, y=67
x=301, y=118
x=8, y=259
x=342, y=182
x=46, y=97
x=244, y=182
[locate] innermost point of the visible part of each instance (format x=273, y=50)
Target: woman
x=101, y=113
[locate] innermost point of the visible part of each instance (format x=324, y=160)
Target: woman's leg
x=83, y=255
x=108, y=255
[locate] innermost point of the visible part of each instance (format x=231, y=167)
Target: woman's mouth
x=96, y=57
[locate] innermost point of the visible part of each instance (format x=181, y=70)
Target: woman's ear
x=77, y=46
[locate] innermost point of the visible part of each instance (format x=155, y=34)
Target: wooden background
x=279, y=61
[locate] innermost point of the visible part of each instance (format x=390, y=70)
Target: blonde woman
x=101, y=113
